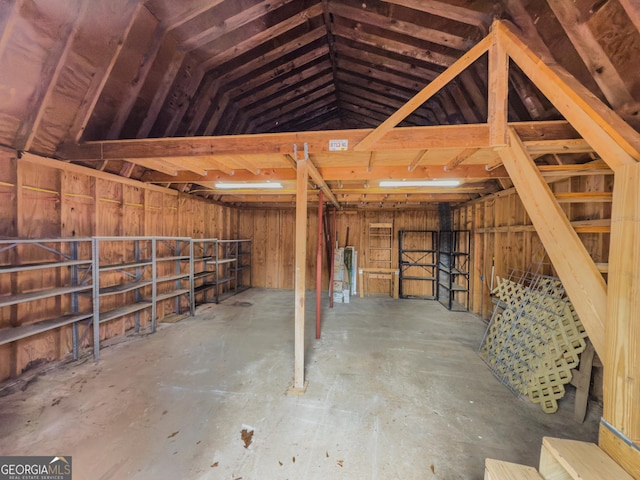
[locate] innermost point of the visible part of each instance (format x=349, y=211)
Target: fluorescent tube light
x=242, y=186
x=420, y=183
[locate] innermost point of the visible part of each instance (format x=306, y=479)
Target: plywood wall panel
x=170, y=216
x=153, y=209
x=8, y=194
x=78, y=205
x=40, y=199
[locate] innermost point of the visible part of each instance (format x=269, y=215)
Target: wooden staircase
x=561, y=459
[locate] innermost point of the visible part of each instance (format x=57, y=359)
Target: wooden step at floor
x=499, y=470
x=562, y=459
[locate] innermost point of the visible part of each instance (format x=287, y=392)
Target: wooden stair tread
x=562, y=459
x=499, y=470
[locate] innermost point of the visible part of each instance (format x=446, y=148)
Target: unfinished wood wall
x=42, y=198
x=273, y=242
x=502, y=232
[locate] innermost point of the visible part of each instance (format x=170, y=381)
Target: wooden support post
x=498, y=92
x=319, y=267
x=301, y=264
x=622, y=358
x=579, y=274
x=332, y=256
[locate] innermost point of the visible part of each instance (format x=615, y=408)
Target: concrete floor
x=396, y=390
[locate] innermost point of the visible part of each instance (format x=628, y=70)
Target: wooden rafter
x=593, y=55
x=84, y=114
x=615, y=141
x=437, y=37
x=480, y=20
x=579, y=274
x=44, y=102
x=426, y=93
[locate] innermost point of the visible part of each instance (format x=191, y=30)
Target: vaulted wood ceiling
x=80, y=71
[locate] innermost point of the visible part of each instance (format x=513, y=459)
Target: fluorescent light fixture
x=420, y=183
x=243, y=186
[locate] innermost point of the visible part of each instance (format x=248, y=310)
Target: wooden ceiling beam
x=276, y=102
x=230, y=76
x=200, y=104
x=358, y=35
x=371, y=82
x=116, y=40
x=460, y=158
x=527, y=93
x=421, y=33
x=470, y=84
x=362, y=103
x=614, y=140
x=460, y=99
x=426, y=93
x=357, y=108
x=329, y=174
x=160, y=94
x=307, y=122
x=93, y=95
x=183, y=17
x=217, y=29
x=183, y=89
x=295, y=81
x=411, y=69
x=264, y=36
x=31, y=126
x=387, y=101
x=417, y=138
x=307, y=109
x=591, y=52
x=396, y=81
x=298, y=119
x=317, y=178
x=456, y=13
x=299, y=103
x=361, y=120
x=371, y=190
x=633, y=11
x=257, y=82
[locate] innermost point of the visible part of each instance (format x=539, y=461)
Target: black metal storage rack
x=453, y=269
x=418, y=262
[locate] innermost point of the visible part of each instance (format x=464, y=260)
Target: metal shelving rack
x=453, y=269
x=418, y=262
x=232, y=262
x=73, y=254
x=204, y=253
x=177, y=253
x=220, y=264
x=136, y=274
x=140, y=271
